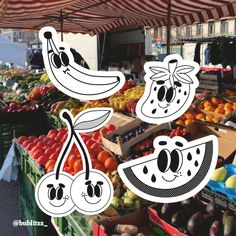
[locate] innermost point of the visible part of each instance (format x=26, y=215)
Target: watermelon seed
x=155, y=89
x=198, y=151
x=152, y=101
x=166, y=110
x=185, y=93
x=153, y=178
x=160, y=82
x=145, y=170
x=189, y=172
x=179, y=90
x=178, y=101
x=154, y=111
x=189, y=157
x=178, y=84
x=196, y=163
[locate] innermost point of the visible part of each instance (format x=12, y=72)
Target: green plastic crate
x=30, y=211
x=29, y=166
x=75, y=224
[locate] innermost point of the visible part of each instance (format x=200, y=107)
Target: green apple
x=219, y=174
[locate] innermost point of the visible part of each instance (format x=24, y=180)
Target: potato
x=130, y=229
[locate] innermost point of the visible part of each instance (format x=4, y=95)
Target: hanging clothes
x=225, y=52
x=197, y=53
x=207, y=55
x=215, y=56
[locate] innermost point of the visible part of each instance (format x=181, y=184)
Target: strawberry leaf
x=92, y=119
x=183, y=78
x=184, y=69
x=159, y=73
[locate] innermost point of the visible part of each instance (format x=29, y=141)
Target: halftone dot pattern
x=166, y=193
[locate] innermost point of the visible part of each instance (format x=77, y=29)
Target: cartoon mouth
x=169, y=180
x=67, y=69
x=60, y=204
x=163, y=107
x=91, y=202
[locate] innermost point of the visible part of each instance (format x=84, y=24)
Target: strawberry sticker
x=170, y=89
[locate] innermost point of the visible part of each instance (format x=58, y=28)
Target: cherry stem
x=80, y=143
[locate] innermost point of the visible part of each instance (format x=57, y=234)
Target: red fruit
x=42, y=160
x=49, y=163
x=42, y=137
x=48, y=151
x=53, y=156
x=96, y=148
x=50, y=169
x=37, y=154
x=103, y=156
x=95, y=135
x=105, y=130
x=111, y=164
x=94, y=162
x=78, y=166
x=52, y=131
x=85, y=138
x=29, y=147
x=50, y=143
x=26, y=142
x=71, y=160
x=89, y=143
x=68, y=169
x=100, y=167
x=32, y=137
x=111, y=127
x=21, y=139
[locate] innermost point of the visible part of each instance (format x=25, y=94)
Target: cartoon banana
x=71, y=78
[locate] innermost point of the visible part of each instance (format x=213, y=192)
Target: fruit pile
x=217, y=105
x=145, y=147
x=131, y=106
x=189, y=117
x=40, y=91
x=194, y=218
x=45, y=150
x=128, y=85
x=14, y=107
x=130, y=134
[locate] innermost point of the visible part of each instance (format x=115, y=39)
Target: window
x=211, y=28
x=224, y=27
x=189, y=31
x=199, y=30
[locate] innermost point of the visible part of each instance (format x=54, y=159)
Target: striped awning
x=96, y=16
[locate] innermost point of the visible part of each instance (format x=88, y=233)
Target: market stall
x=211, y=212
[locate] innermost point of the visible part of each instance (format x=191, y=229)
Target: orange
x=187, y=122
x=221, y=105
x=179, y=122
x=188, y=115
x=111, y=164
x=234, y=107
x=220, y=110
x=215, y=120
x=209, y=108
x=200, y=116
x=103, y=156
x=228, y=110
x=207, y=103
x=228, y=105
x=209, y=117
x=215, y=100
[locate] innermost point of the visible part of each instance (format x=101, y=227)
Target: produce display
x=24, y=91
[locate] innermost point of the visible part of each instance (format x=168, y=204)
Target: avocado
x=216, y=229
x=196, y=224
x=213, y=210
x=229, y=225
x=179, y=219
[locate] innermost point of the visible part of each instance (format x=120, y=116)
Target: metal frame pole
x=61, y=21
x=168, y=27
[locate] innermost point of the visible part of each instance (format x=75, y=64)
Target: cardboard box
x=139, y=218
x=225, y=135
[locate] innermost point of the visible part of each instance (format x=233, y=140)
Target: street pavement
x=9, y=210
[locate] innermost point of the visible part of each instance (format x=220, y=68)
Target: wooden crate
x=208, y=82
x=123, y=149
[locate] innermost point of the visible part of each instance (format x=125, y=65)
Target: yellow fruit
x=215, y=120
x=207, y=104
x=219, y=174
x=209, y=117
x=228, y=110
x=220, y=110
x=228, y=105
x=179, y=122
x=200, y=116
x=231, y=182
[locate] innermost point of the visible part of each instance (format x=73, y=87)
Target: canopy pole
x=168, y=27
x=61, y=21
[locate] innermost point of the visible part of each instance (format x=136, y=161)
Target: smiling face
x=94, y=195
x=53, y=195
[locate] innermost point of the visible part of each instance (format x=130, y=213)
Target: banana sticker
x=71, y=78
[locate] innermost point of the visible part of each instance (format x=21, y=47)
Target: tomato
x=50, y=163
x=32, y=137
x=42, y=160
x=103, y=156
x=48, y=151
x=111, y=164
x=21, y=139
x=37, y=154
x=26, y=142
x=53, y=156
x=52, y=131
x=29, y=147
x=89, y=143
x=78, y=166
x=72, y=158
x=50, y=169
x=68, y=169
x=96, y=149
x=100, y=167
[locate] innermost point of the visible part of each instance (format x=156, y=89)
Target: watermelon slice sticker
x=177, y=170
x=169, y=91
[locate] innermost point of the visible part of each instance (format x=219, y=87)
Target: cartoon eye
x=176, y=160
x=98, y=189
x=59, y=192
x=163, y=160
x=161, y=93
x=56, y=61
x=64, y=59
x=170, y=94
x=90, y=188
x=51, y=192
